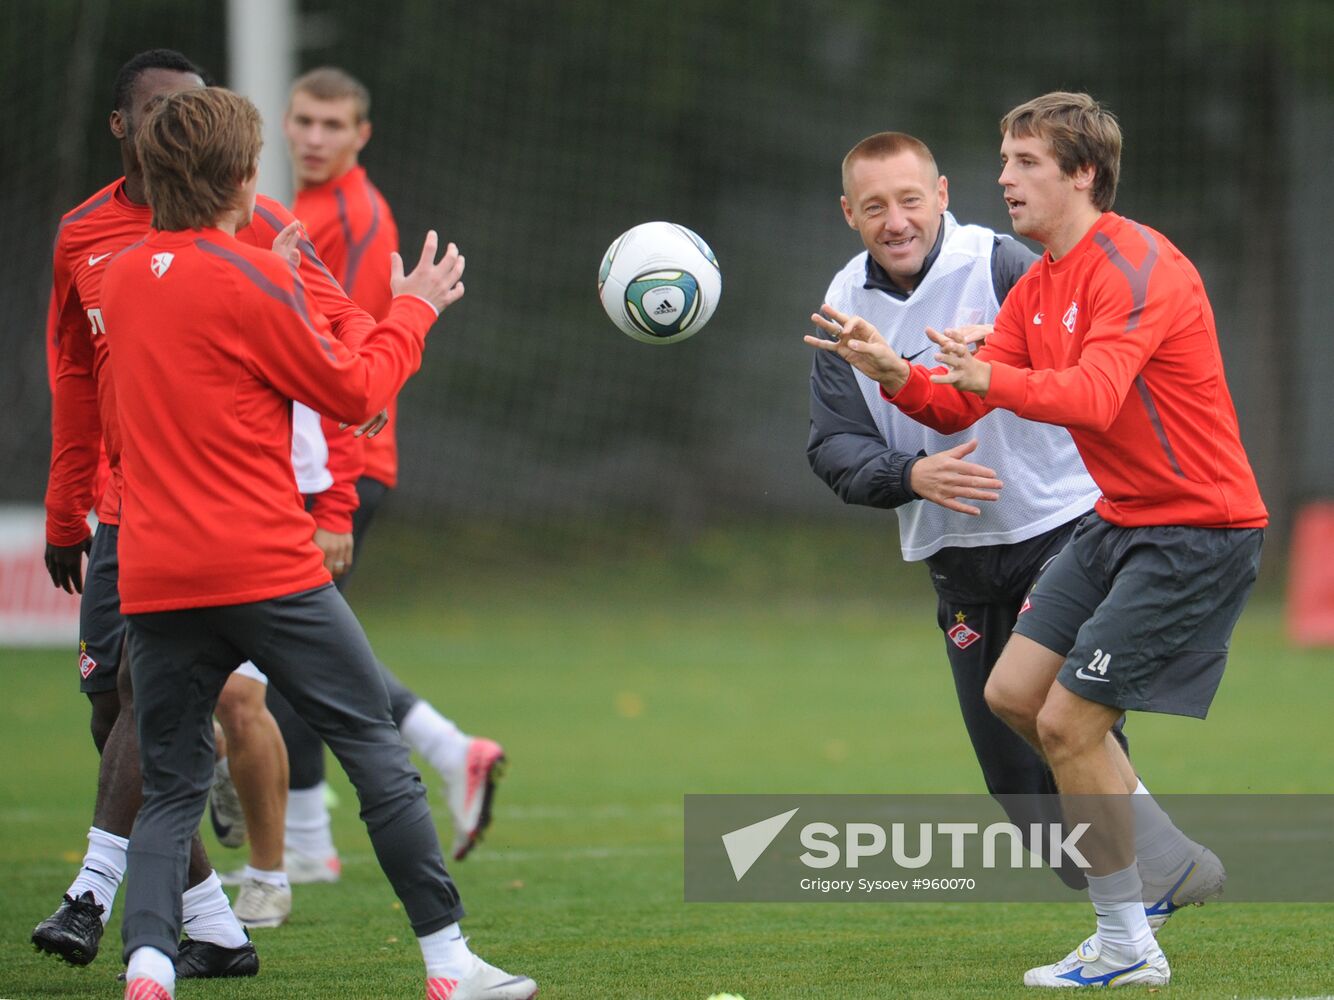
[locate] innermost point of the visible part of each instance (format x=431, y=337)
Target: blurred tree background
x=533, y=133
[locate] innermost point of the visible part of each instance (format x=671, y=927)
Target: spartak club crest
x=160, y=262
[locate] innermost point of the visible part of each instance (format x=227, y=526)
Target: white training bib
x=1046, y=484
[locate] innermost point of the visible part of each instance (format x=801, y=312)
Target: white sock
x=277, y=879
x=308, y=829
x=1160, y=848
x=208, y=915
x=103, y=870
x=1118, y=901
x=149, y=963
x=446, y=953
x=443, y=745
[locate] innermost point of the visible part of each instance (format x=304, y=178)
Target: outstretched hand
x=946, y=479
x=860, y=344
x=437, y=281
x=964, y=372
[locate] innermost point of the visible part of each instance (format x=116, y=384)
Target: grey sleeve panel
x=846, y=448
x=1010, y=260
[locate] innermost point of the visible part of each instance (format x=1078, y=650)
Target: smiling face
x=895, y=202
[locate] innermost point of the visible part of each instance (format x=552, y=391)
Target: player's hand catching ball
x=860, y=344
x=437, y=281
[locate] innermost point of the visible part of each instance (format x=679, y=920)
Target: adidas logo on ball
x=659, y=282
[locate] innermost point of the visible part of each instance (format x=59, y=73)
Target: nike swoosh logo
x=1076, y=975
x=1089, y=677
x=94, y=261
x=910, y=357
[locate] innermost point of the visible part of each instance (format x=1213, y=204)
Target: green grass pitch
x=742, y=662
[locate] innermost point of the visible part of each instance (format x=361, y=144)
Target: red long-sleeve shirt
x=83, y=424
x=210, y=340
x=83, y=401
x=354, y=233
x=1116, y=341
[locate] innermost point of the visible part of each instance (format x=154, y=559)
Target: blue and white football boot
x=1087, y=965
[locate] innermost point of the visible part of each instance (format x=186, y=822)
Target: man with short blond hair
x=983, y=546
x=352, y=227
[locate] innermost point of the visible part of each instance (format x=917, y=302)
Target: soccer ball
x=659, y=282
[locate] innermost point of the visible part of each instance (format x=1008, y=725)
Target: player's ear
x=117, y=125
x=943, y=192
x=847, y=211
x=363, y=134
x=1084, y=176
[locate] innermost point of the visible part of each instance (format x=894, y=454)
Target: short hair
x=1080, y=132
x=886, y=144
x=129, y=74
x=329, y=83
x=195, y=147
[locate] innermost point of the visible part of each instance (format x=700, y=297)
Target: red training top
x=83, y=419
x=83, y=403
x=354, y=233
x=1116, y=341
x=211, y=340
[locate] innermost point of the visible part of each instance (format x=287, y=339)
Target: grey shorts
x=1144, y=615
x=101, y=627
